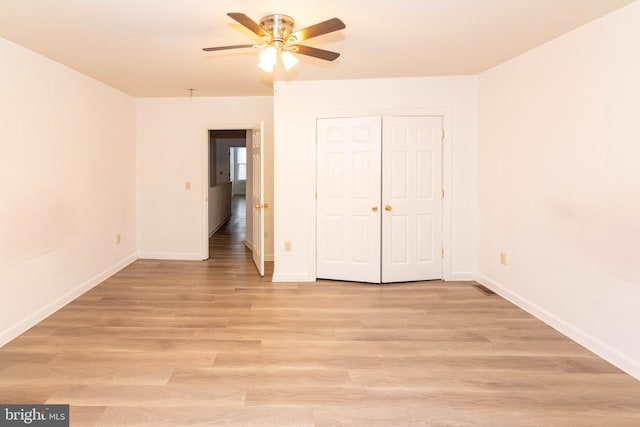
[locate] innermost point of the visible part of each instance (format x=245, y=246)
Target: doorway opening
x=235, y=164
x=228, y=185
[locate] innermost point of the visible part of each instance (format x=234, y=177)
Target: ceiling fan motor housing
x=279, y=26
x=277, y=33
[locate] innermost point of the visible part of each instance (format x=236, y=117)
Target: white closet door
x=348, y=199
x=411, y=199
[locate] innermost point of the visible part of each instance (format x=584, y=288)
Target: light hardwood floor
x=170, y=343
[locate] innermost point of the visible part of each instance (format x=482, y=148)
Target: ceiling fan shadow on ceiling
x=280, y=40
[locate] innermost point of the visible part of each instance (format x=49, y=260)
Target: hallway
x=227, y=250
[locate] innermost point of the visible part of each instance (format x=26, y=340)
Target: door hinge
x=442, y=253
x=316, y=195
x=443, y=193
x=442, y=134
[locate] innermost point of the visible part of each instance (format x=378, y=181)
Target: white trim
x=206, y=155
x=608, y=353
x=460, y=276
x=14, y=331
x=219, y=226
x=175, y=256
x=447, y=185
x=207, y=126
x=267, y=257
x=292, y=278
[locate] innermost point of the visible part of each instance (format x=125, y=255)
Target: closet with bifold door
x=379, y=198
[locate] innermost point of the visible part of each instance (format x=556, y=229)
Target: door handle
x=374, y=209
x=388, y=208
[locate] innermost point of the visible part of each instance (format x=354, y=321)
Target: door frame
x=207, y=126
x=447, y=175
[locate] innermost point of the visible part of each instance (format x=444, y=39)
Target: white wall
x=223, y=158
x=67, y=186
x=219, y=206
x=239, y=155
x=223, y=153
x=559, y=186
x=297, y=105
x=172, y=147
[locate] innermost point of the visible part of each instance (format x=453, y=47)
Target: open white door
x=348, y=199
x=257, y=197
x=411, y=199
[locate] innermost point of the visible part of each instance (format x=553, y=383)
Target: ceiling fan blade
x=328, y=26
x=327, y=55
x=237, y=46
x=248, y=23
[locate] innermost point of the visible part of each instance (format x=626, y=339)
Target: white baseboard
x=217, y=227
x=461, y=277
x=603, y=350
x=267, y=257
x=173, y=256
x=30, y=321
x=292, y=278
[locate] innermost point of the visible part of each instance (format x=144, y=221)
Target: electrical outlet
x=187, y=185
x=503, y=258
x=118, y=238
x=287, y=246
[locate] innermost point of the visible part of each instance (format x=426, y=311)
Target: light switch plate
x=503, y=258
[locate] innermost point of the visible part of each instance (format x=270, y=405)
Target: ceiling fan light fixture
x=280, y=39
x=288, y=60
x=268, y=59
x=266, y=67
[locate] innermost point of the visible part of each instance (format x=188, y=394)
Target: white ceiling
x=152, y=48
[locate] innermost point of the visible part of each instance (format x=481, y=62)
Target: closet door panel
x=348, y=199
x=411, y=196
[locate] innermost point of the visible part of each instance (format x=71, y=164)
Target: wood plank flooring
x=175, y=343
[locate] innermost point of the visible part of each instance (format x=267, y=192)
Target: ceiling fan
x=278, y=38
